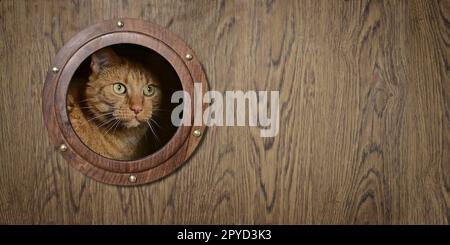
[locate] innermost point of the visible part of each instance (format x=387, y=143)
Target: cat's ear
x=103, y=58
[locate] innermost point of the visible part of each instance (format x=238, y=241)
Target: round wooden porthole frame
x=62, y=135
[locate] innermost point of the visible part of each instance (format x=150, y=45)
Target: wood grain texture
x=365, y=115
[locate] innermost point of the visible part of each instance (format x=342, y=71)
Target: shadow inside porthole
x=118, y=101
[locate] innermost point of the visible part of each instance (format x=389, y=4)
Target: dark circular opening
x=118, y=101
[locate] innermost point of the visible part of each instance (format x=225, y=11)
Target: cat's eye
x=119, y=88
x=149, y=90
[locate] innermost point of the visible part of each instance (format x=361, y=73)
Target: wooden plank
x=365, y=118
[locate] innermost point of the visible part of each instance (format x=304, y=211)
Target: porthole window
x=106, y=101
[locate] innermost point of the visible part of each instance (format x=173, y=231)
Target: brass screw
x=62, y=147
x=55, y=69
x=132, y=178
x=120, y=24
x=197, y=133
x=189, y=56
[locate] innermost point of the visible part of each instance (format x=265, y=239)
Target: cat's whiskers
x=107, y=122
x=98, y=116
x=116, y=121
x=151, y=128
x=156, y=123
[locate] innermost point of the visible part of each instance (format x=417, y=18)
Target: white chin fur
x=133, y=123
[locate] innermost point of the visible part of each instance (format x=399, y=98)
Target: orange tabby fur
x=112, y=124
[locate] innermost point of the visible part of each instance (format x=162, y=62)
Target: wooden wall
x=365, y=115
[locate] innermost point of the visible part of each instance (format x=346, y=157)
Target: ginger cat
x=113, y=111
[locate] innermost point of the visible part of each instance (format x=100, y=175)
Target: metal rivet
x=197, y=133
x=189, y=56
x=120, y=23
x=132, y=178
x=55, y=69
x=63, y=147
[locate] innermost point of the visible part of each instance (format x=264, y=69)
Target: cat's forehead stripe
x=135, y=75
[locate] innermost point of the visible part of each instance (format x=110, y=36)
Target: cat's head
x=121, y=91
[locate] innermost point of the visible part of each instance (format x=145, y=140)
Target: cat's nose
x=136, y=108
